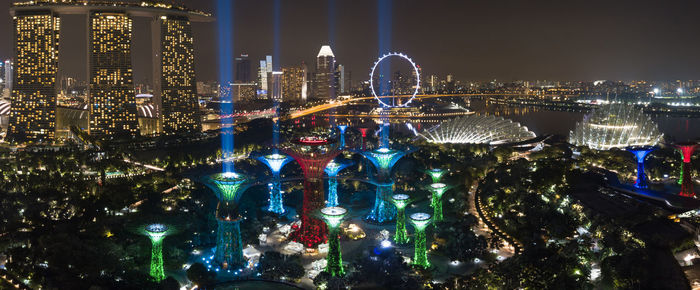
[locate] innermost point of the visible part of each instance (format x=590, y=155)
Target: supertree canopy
x=363, y=132
x=228, y=188
x=384, y=160
x=640, y=153
x=436, y=174
x=313, y=155
x=332, y=170
x=333, y=217
x=156, y=232
x=615, y=126
x=687, y=150
x=275, y=162
x=401, y=201
x=478, y=129
x=437, y=190
x=420, y=221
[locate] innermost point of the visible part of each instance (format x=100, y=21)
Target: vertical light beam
x=225, y=34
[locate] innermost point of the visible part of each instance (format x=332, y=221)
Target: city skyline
x=488, y=40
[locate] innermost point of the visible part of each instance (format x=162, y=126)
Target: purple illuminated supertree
x=384, y=160
x=687, y=150
x=332, y=170
x=275, y=162
x=313, y=155
x=640, y=153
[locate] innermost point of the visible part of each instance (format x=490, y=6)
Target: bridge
x=340, y=103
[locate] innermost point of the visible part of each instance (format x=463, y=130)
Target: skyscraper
x=294, y=82
x=112, y=99
x=242, y=75
x=179, y=100
x=262, y=75
x=9, y=77
x=275, y=85
x=326, y=80
x=33, y=112
x=341, y=83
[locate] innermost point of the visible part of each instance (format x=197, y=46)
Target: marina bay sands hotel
x=111, y=106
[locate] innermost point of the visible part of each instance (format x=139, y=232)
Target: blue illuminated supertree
x=342, y=129
x=228, y=188
x=384, y=160
x=275, y=162
x=332, y=170
x=640, y=153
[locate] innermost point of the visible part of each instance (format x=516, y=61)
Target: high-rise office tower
x=112, y=99
x=294, y=82
x=326, y=80
x=33, y=112
x=2, y=75
x=262, y=75
x=341, y=72
x=9, y=77
x=242, y=75
x=275, y=85
x=180, y=109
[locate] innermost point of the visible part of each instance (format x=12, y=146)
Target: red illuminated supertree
x=313, y=155
x=363, y=131
x=687, y=150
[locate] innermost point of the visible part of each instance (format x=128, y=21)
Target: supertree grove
x=333, y=217
x=420, y=221
x=275, y=162
x=401, y=201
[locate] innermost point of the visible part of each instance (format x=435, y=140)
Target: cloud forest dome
x=615, y=126
x=478, y=129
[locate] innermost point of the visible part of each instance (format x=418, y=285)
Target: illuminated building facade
x=333, y=217
x=640, y=153
x=33, y=109
x=112, y=99
x=313, y=155
x=177, y=76
x=420, y=221
x=687, y=185
x=400, y=201
x=294, y=82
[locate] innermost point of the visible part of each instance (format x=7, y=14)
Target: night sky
x=475, y=40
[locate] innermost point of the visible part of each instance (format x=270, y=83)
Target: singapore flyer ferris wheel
x=372, y=85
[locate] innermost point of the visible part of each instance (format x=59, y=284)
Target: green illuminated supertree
x=333, y=217
x=437, y=190
x=156, y=232
x=229, y=247
x=420, y=221
x=401, y=201
x=436, y=174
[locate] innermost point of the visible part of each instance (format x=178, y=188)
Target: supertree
x=437, y=190
x=680, y=176
x=333, y=217
x=275, y=162
x=384, y=160
x=229, y=188
x=332, y=170
x=156, y=232
x=401, y=201
x=436, y=174
x=420, y=221
x=342, y=129
x=687, y=150
x=313, y=155
x=363, y=132
x=640, y=153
